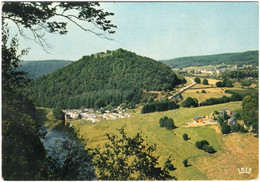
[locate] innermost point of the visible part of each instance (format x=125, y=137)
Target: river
x=61, y=146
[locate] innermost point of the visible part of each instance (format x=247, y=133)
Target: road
x=185, y=88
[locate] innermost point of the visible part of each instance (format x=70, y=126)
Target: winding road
x=185, y=88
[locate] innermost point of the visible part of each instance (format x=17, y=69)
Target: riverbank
x=45, y=118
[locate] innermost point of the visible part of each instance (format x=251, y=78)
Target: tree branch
x=81, y=27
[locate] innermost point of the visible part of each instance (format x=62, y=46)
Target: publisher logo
x=244, y=170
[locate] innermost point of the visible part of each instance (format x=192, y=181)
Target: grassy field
x=221, y=165
x=211, y=91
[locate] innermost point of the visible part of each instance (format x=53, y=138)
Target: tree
x=129, y=158
x=185, y=136
x=185, y=163
x=58, y=114
x=159, y=106
x=123, y=106
x=203, y=91
x=220, y=120
x=225, y=129
x=38, y=18
x=23, y=154
x=238, y=128
x=11, y=78
x=250, y=111
x=168, y=123
x=99, y=103
x=225, y=83
x=228, y=83
x=150, y=99
x=197, y=80
x=204, y=145
x=209, y=149
x=205, y=81
x=219, y=84
x=79, y=116
x=225, y=115
x=190, y=102
x=162, y=121
x=200, y=144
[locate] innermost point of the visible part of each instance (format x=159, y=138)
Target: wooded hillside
x=112, y=78
x=36, y=69
x=243, y=58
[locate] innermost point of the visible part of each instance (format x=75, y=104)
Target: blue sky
x=162, y=31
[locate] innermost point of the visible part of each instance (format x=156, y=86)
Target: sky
x=162, y=30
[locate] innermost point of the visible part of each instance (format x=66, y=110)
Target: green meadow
x=169, y=143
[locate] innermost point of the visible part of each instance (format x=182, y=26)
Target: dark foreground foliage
x=129, y=158
x=68, y=159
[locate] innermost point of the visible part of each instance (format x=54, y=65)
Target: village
x=211, y=70
x=95, y=115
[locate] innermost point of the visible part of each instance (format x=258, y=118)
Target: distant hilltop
x=240, y=58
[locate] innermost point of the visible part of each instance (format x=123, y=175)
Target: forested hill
x=112, y=78
x=243, y=58
x=36, y=69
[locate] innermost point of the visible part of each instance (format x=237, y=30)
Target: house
x=198, y=119
x=232, y=121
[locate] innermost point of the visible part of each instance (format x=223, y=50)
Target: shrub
x=200, y=144
x=205, y=82
x=185, y=163
x=185, y=136
x=197, y=80
x=209, y=149
x=204, y=145
x=171, y=167
x=225, y=129
x=203, y=91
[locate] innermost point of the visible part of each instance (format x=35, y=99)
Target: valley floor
x=234, y=151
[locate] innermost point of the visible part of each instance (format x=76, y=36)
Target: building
x=231, y=122
x=198, y=119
